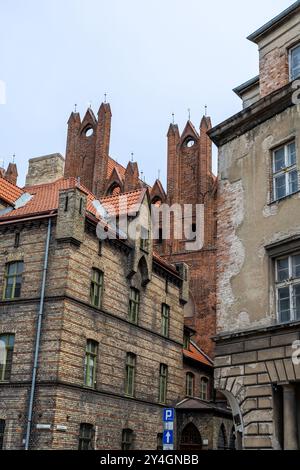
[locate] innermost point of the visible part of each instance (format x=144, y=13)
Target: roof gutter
x=38, y=339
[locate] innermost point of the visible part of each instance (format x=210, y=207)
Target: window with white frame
x=285, y=173
x=295, y=62
x=288, y=288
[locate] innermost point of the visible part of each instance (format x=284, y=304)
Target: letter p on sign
x=168, y=415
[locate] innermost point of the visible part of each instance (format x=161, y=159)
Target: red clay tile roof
x=45, y=198
x=196, y=355
x=113, y=164
x=9, y=192
x=124, y=203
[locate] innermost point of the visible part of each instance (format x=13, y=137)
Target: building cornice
x=279, y=328
x=253, y=116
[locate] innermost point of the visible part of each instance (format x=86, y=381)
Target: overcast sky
x=152, y=58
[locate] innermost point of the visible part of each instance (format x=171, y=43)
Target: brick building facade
x=258, y=330
x=88, y=352
x=103, y=375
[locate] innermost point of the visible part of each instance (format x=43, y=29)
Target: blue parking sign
x=168, y=415
x=168, y=438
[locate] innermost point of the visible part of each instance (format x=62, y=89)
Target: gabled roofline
x=274, y=23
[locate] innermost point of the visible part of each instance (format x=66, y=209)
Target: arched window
x=156, y=201
x=190, y=384
x=114, y=190
x=190, y=438
x=204, y=388
x=222, y=438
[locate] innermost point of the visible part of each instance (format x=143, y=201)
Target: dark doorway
x=222, y=438
x=190, y=438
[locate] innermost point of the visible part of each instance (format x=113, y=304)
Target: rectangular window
x=90, y=364
x=285, y=172
x=2, y=430
x=96, y=288
x=288, y=288
x=86, y=434
x=295, y=62
x=204, y=388
x=186, y=341
x=130, y=374
x=163, y=382
x=145, y=235
x=127, y=439
x=17, y=240
x=165, y=320
x=134, y=305
x=6, y=356
x=190, y=384
x=13, y=280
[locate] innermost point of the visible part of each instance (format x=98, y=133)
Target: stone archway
x=190, y=439
x=237, y=418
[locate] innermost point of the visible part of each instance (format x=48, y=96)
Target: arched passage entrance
x=190, y=438
x=237, y=435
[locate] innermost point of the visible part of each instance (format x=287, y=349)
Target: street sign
x=168, y=415
x=168, y=438
x=169, y=426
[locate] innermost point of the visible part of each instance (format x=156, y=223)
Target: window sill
x=277, y=201
x=287, y=323
x=87, y=387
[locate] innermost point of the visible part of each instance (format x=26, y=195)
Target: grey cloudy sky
x=151, y=57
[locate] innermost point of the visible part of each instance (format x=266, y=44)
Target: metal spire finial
x=189, y=111
x=132, y=155
x=13, y=158
x=173, y=118
x=105, y=97
x=159, y=174
x=75, y=108
x=205, y=110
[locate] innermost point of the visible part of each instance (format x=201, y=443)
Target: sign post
x=168, y=435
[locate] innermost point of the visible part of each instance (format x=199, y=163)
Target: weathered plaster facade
x=254, y=365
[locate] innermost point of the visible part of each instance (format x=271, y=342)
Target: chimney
x=46, y=169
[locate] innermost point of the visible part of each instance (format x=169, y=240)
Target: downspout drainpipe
x=37, y=339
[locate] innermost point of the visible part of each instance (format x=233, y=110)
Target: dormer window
x=295, y=62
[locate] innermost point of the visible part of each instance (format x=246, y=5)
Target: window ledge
x=277, y=201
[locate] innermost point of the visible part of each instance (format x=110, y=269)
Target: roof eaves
x=274, y=22
x=241, y=89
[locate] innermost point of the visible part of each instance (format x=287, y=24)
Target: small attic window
x=89, y=132
x=189, y=142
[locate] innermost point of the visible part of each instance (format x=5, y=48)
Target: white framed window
x=288, y=288
x=295, y=62
x=285, y=172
